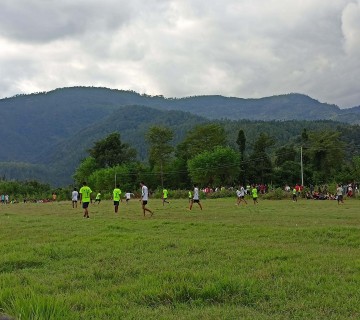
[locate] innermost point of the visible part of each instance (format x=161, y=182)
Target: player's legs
x=191, y=204
x=144, y=203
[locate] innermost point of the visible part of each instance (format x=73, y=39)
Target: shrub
x=277, y=194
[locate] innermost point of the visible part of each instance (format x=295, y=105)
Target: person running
x=196, y=198
x=339, y=193
x=74, y=198
x=254, y=193
x=165, y=196
x=240, y=195
x=145, y=198
x=116, y=198
x=128, y=196
x=190, y=196
x=294, y=195
x=85, y=198
x=98, y=198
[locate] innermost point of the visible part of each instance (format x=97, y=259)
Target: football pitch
x=275, y=260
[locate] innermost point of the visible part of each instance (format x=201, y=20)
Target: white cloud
x=247, y=48
x=351, y=28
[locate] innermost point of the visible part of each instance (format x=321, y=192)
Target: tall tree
x=260, y=166
x=241, y=142
x=110, y=151
x=284, y=154
x=326, y=153
x=160, y=151
x=217, y=167
x=287, y=170
x=85, y=169
x=201, y=138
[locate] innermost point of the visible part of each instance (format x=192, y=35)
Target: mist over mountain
x=45, y=135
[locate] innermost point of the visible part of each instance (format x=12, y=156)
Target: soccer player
x=165, y=196
x=240, y=195
x=254, y=194
x=74, y=198
x=294, y=195
x=190, y=196
x=85, y=198
x=128, y=196
x=144, y=198
x=196, y=198
x=98, y=198
x=116, y=197
x=339, y=193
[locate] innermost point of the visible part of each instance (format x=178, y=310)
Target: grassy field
x=276, y=260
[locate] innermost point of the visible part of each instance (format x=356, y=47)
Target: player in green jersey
x=254, y=194
x=165, y=196
x=98, y=197
x=85, y=198
x=116, y=197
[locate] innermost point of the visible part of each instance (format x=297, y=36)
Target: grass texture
x=274, y=260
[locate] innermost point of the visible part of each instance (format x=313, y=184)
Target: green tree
x=356, y=168
x=260, y=165
x=126, y=175
x=241, y=142
x=177, y=175
x=287, y=170
x=201, y=138
x=326, y=153
x=284, y=154
x=217, y=167
x=110, y=151
x=304, y=136
x=287, y=173
x=84, y=170
x=160, y=149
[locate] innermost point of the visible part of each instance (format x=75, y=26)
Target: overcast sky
x=177, y=48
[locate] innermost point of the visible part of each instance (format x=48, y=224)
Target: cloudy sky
x=177, y=48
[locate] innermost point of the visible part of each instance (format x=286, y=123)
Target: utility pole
x=301, y=166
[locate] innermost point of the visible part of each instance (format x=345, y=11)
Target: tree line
x=206, y=157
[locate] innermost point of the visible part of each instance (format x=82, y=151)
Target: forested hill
x=44, y=135
x=86, y=99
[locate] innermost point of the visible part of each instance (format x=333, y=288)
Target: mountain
x=131, y=121
x=45, y=135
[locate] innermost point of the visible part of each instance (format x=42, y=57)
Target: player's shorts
x=255, y=198
x=144, y=202
x=116, y=203
x=85, y=205
x=74, y=201
x=196, y=200
x=340, y=197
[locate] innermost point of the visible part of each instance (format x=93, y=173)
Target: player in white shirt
x=195, y=198
x=128, y=196
x=240, y=195
x=144, y=198
x=74, y=198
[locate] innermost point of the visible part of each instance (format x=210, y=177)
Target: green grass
x=276, y=260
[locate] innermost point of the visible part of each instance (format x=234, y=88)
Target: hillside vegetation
x=45, y=135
